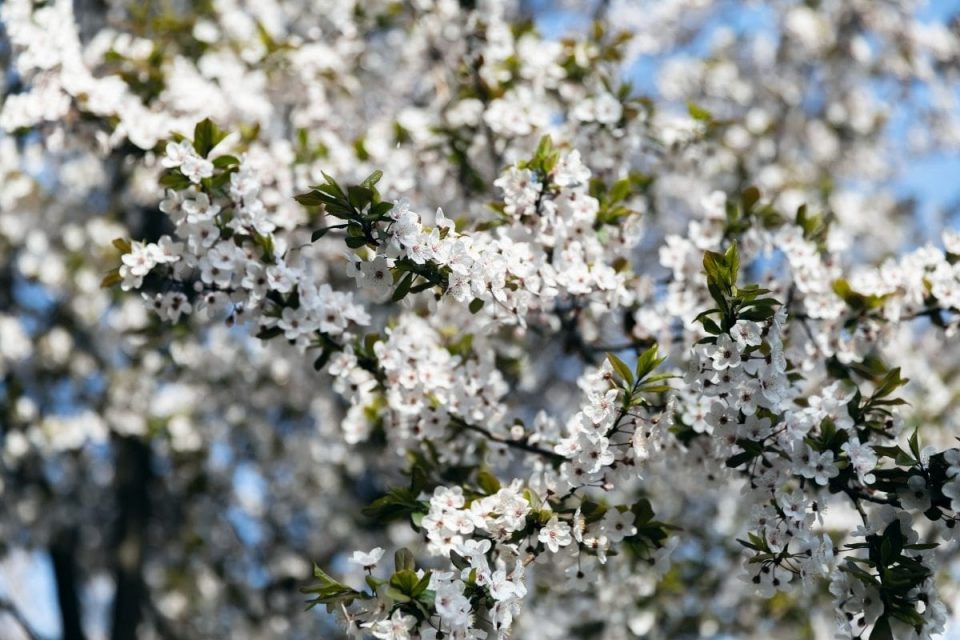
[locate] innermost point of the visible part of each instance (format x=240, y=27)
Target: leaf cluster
x=359, y=206
x=733, y=303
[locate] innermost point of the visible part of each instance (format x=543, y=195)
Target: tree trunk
x=63, y=555
x=132, y=484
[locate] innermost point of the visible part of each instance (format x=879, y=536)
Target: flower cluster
x=740, y=408
x=746, y=398
x=510, y=267
x=225, y=259
x=451, y=365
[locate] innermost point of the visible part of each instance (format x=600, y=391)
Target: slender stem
x=515, y=444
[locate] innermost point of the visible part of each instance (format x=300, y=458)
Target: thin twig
x=14, y=612
x=516, y=444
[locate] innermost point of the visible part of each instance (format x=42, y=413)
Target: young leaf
x=621, y=368
x=475, y=305
x=111, y=279
x=647, y=362
x=173, y=179
x=749, y=197
x=370, y=181
x=487, y=482
x=222, y=162
x=206, y=135
x=732, y=260
x=620, y=190
x=698, y=113
x=310, y=199
x=403, y=559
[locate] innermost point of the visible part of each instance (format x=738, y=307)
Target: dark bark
x=132, y=489
x=63, y=551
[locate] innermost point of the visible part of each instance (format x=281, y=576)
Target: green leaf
x=881, y=629
x=173, y=179
x=334, y=188
x=487, y=482
x=324, y=577
x=475, y=305
x=886, y=553
x=396, y=595
x=206, y=135
x=890, y=452
x=749, y=197
x=642, y=511
x=842, y=288
x=894, y=536
x=373, y=583
x=380, y=209
x=359, y=197
x=717, y=294
x=620, y=190
x=370, y=181
x=370, y=340
x=748, y=545
x=268, y=333
x=915, y=444
x=648, y=361
x=732, y=260
x=735, y=461
x=111, y=279
x=891, y=381
x=403, y=288
x=698, y=113
x=712, y=267
x=310, y=199
x=322, y=359
x=397, y=503
x=710, y=326
x=651, y=388
x=403, y=559
x=621, y=368
x=544, y=147
x=405, y=581
x=329, y=591
x=355, y=242
x=319, y=233
x=422, y=585
x=222, y=162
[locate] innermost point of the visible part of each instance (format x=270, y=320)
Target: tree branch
x=515, y=444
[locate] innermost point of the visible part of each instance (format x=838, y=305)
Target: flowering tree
x=291, y=285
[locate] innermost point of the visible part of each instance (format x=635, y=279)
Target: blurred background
x=159, y=483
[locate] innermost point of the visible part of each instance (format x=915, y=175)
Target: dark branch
x=523, y=445
x=63, y=556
